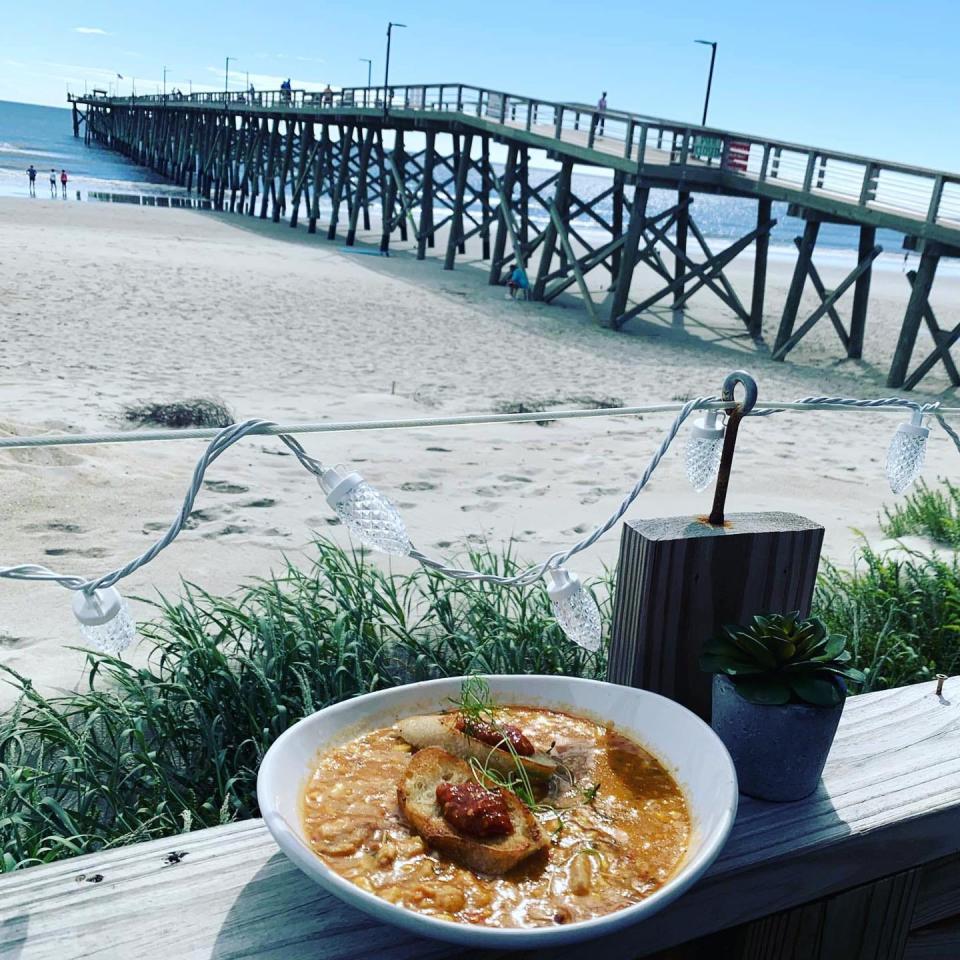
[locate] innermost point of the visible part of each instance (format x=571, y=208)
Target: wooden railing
x=866, y=867
x=926, y=196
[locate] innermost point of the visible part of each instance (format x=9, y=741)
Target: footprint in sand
x=57, y=526
x=511, y=478
x=416, y=485
x=485, y=505
x=262, y=502
x=225, y=486
x=438, y=450
x=92, y=553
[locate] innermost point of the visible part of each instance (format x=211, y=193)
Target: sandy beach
x=102, y=306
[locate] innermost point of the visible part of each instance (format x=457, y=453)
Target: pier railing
x=636, y=142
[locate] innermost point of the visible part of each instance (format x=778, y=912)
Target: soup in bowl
x=502, y=811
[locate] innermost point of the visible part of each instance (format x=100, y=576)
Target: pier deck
x=287, y=149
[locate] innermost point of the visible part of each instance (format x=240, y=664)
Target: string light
x=906, y=453
x=105, y=621
x=704, y=446
x=373, y=519
x=366, y=512
x=575, y=609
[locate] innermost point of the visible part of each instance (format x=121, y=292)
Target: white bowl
x=686, y=746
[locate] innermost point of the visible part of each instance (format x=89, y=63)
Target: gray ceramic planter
x=779, y=752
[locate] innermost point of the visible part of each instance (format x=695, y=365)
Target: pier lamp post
x=713, y=56
x=226, y=74
x=369, y=64
x=164, y=83
x=386, y=72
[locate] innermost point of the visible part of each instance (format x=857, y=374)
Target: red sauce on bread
x=474, y=810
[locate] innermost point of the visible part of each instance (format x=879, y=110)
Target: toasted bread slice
x=438, y=730
x=417, y=796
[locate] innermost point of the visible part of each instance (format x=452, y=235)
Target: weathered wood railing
x=868, y=867
x=900, y=196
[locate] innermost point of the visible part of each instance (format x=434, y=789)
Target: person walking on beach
x=601, y=113
x=63, y=182
x=32, y=175
x=53, y=184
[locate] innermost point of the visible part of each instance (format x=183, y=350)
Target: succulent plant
x=783, y=659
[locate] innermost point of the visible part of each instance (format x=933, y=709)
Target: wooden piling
x=761, y=252
x=801, y=269
x=680, y=258
x=628, y=261
x=861, y=293
x=919, y=297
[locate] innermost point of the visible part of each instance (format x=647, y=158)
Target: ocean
x=44, y=136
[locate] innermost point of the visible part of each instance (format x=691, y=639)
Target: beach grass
x=151, y=751
x=933, y=513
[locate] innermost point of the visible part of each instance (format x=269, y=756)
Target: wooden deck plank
x=889, y=801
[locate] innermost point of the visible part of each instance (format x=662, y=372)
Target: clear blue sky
x=876, y=78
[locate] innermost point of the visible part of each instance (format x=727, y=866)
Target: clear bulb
x=906, y=453
x=105, y=620
x=703, y=451
x=575, y=609
x=366, y=513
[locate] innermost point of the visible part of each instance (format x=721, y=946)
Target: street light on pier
x=369, y=64
x=226, y=74
x=164, y=83
x=386, y=72
x=713, y=57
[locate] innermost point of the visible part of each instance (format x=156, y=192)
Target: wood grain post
x=800, y=271
x=764, y=207
x=919, y=296
x=861, y=294
x=680, y=580
x=680, y=259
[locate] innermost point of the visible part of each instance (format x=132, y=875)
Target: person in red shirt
x=63, y=182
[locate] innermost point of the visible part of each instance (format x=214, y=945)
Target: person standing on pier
x=601, y=112
x=63, y=182
x=53, y=184
x=32, y=174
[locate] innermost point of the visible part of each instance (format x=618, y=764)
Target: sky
x=877, y=78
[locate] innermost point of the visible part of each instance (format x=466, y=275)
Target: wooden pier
x=410, y=152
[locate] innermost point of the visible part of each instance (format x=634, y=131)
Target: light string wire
x=228, y=436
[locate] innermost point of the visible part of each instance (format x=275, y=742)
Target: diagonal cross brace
x=851, y=278
x=943, y=339
x=704, y=272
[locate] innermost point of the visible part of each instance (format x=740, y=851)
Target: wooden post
x=680, y=259
x=919, y=296
x=360, y=192
x=764, y=207
x=638, y=221
x=454, y=238
x=561, y=201
x=795, y=292
x=503, y=225
x=617, y=224
x=426, y=195
x=485, y=187
x=400, y=162
x=343, y=172
x=680, y=580
x=861, y=294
